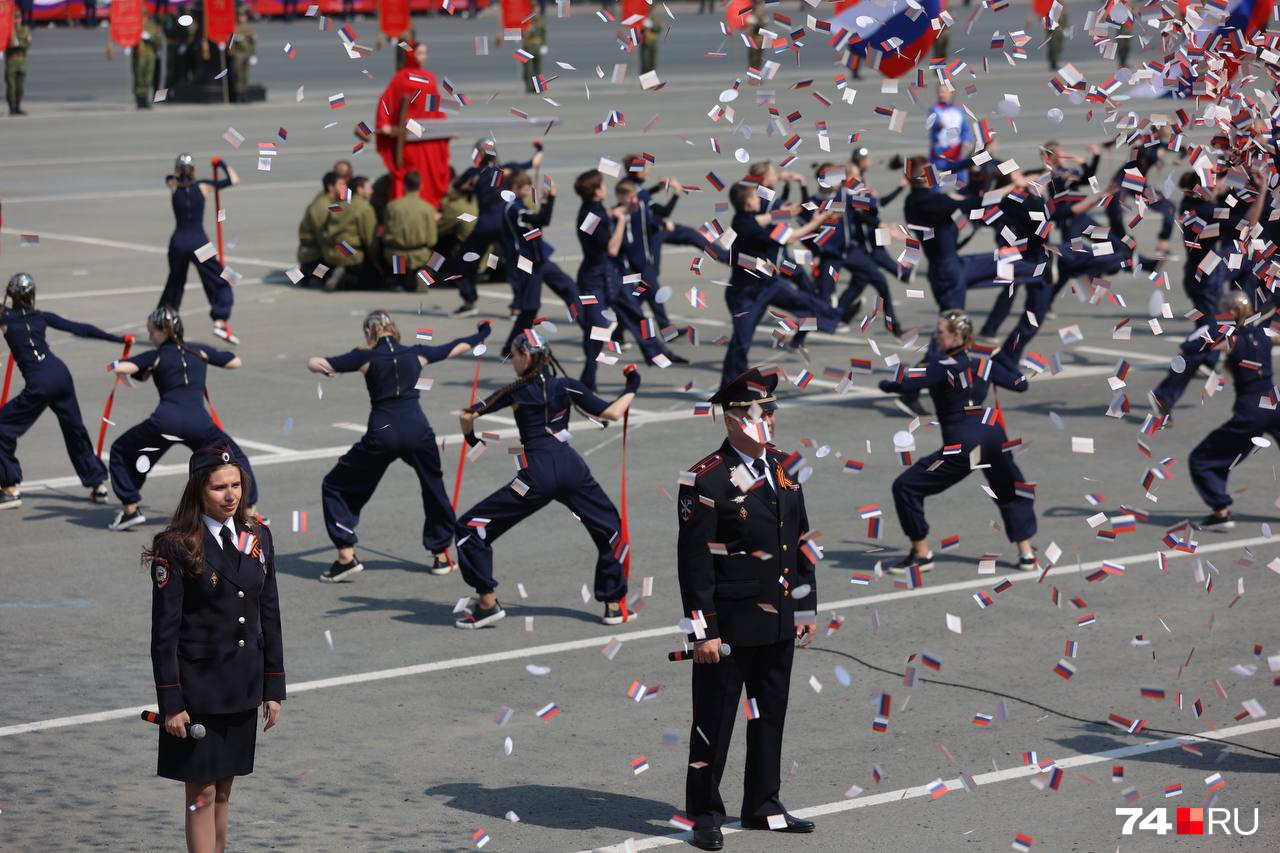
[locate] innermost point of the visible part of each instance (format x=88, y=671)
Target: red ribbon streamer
x=8, y=377
x=217, y=210
x=111, y=398
x=626, y=531
x=462, y=454
x=212, y=413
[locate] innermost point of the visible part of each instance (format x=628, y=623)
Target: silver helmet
x=166, y=319
x=21, y=284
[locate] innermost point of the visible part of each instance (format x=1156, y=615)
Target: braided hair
x=960, y=323
x=541, y=362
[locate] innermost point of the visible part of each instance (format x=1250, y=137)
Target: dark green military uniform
x=354, y=224
x=755, y=21
x=146, y=55
x=15, y=64
x=311, y=231
x=535, y=38
x=650, y=35
x=243, y=48
x=409, y=232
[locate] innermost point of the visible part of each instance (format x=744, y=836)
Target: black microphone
x=687, y=654
x=195, y=730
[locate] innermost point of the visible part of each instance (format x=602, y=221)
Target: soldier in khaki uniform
x=243, y=48
x=409, y=233
x=348, y=243
x=15, y=64
x=452, y=230
x=311, y=228
x=535, y=39
x=650, y=35
x=146, y=55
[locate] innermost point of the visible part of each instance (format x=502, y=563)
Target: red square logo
x=1190, y=821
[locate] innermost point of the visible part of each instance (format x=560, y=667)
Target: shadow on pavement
x=557, y=807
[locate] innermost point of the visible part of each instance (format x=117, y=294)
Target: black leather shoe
x=794, y=824
x=708, y=838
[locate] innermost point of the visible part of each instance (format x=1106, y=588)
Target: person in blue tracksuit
x=542, y=398
x=188, y=197
x=179, y=370
x=486, y=180
x=958, y=383
x=523, y=244
x=753, y=281
x=397, y=429
x=1248, y=358
x=48, y=386
x=861, y=218
x=600, y=274
x=932, y=214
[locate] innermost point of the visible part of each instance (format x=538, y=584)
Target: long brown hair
x=183, y=538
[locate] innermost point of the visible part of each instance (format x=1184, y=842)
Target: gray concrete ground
x=388, y=740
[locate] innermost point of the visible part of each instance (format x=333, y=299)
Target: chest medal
x=213, y=580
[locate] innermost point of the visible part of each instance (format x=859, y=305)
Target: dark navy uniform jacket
x=518, y=222
x=958, y=386
x=188, y=214
x=542, y=408
x=392, y=377
x=488, y=191
x=25, y=334
x=1249, y=359
x=745, y=596
x=179, y=374
x=751, y=238
x=216, y=645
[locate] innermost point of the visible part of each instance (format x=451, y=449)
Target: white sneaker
x=222, y=330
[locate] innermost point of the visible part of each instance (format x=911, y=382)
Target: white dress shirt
x=749, y=461
x=215, y=527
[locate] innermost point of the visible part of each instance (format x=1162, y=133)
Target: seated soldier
x=349, y=243
x=311, y=228
x=408, y=236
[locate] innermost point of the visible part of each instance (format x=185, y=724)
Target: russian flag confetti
x=338, y=100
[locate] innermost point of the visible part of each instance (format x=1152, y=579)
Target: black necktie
x=757, y=465
x=228, y=546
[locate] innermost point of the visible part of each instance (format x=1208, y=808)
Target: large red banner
x=393, y=17
x=219, y=20
x=126, y=22
x=632, y=8
x=6, y=22
x=513, y=14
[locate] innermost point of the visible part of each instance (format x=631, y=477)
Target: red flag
x=633, y=8
x=393, y=17
x=513, y=14
x=6, y=21
x=126, y=22
x=1042, y=7
x=219, y=20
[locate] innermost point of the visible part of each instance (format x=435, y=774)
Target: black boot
x=143, y=103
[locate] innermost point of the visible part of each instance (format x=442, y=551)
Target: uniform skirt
x=226, y=749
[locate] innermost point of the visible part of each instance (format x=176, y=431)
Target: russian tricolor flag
x=338, y=100
x=299, y=521
x=751, y=709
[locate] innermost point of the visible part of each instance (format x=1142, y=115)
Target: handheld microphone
x=195, y=730
x=687, y=654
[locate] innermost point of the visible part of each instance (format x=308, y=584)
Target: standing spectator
x=15, y=64
x=243, y=52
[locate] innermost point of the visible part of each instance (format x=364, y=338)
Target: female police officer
x=958, y=383
x=179, y=369
x=397, y=430
x=48, y=385
x=216, y=648
x=189, y=237
x=542, y=399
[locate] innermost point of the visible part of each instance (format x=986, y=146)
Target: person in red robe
x=429, y=157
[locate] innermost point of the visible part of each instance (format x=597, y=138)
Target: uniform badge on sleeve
x=686, y=508
x=160, y=572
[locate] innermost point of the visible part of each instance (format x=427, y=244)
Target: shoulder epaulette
x=706, y=464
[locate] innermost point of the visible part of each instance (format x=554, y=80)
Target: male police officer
x=756, y=595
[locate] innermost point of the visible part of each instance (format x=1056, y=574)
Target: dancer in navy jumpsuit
x=600, y=274
x=542, y=399
x=179, y=370
x=1248, y=358
x=48, y=385
x=958, y=383
x=753, y=281
x=485, y=180
x=189, y=236
x=397, y=429
x=523, y=244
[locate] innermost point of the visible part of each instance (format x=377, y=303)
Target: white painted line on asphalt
x=140, y=247
x=1129, y=355
x=133, y=291
x=258, y=445
x=347, y=425
x=980, y=780
x=599, y=641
